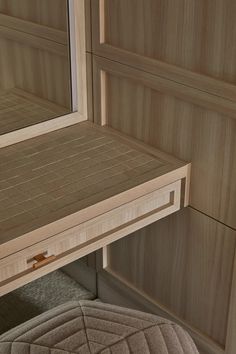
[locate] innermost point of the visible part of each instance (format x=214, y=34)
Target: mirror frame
x=79, y=43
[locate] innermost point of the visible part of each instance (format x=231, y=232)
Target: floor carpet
x=37, y=297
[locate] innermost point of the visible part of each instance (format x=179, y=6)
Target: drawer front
x=163, y=201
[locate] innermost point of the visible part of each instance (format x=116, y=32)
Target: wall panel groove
x=164, y=72
x=194, y=256
x=151, y=110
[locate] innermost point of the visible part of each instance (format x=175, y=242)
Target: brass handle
x=41, y=260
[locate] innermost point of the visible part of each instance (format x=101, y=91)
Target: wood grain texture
x=34, y=29
x=231, y=338
x=31, y=32
x=52, y=13
x=33, y=41
x=175, y=125
x=35, y=51
x=164, y=74
x=155, y=205
x=160, y=67
x=88, y=23
x=71, y=244
x=89, y=68
x=7, y=80
x=32, y=65
x=193, y=257
x=58, y=175
x=38, y=129
x=195, y=35
x=193, y=95
x=82, y=66
x=39, y=72
x=18, y=109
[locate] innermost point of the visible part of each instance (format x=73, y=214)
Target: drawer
x=93, y=234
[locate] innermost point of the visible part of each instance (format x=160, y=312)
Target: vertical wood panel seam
x=211, y=217
x=98, y=43
x=231, y=104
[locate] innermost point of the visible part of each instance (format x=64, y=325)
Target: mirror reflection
x=34, y=62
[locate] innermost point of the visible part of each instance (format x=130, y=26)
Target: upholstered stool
x=93, y=327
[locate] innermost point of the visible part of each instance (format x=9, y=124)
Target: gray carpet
x=37, y=297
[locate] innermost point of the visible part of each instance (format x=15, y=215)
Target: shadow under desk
x=70, y=192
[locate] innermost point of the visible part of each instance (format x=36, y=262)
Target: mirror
x=35, y=70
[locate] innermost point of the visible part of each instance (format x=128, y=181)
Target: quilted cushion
x=92, y=327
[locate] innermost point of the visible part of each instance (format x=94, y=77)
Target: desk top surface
x=49, y=177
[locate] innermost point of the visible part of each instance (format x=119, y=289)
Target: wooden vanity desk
x=68, y=187
x=72, y=191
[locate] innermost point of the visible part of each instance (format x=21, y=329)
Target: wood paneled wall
x=6, y=74
x=139, y=105
x=40, y=72
x=196, y=35
x=36, y=47
x=51, y=13
x=164, y=72
x=191, y=271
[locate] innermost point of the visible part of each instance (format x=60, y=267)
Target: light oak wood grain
x=38, y=129
x=40, y=72
x=58, y=180
x=36, y=53
x=34, y=29
x=51, y=13
x=181, y=100
x=28, y=72
x=82, y=66
x=231, y=338
x=189, y=94
x=88, y=23
x=154, y=205
x=83, y=248
x=89, y=67
x=18, y=109
x=33, y=41
x=195, y=35
x=158, y=116
x=6, y=74
x=192, y=268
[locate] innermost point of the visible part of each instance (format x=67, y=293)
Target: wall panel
x=164, y=72
x=143, y=109
x=6, y=74
x=51, y=13
x=35, y=48
x=41, y=72
x=195, y=35
x=191, y=272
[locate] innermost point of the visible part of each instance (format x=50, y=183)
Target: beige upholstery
x=92, y=327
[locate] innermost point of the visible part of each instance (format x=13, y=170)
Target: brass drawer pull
x=41, y=260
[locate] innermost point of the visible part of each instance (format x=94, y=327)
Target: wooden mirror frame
x=77, y=15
